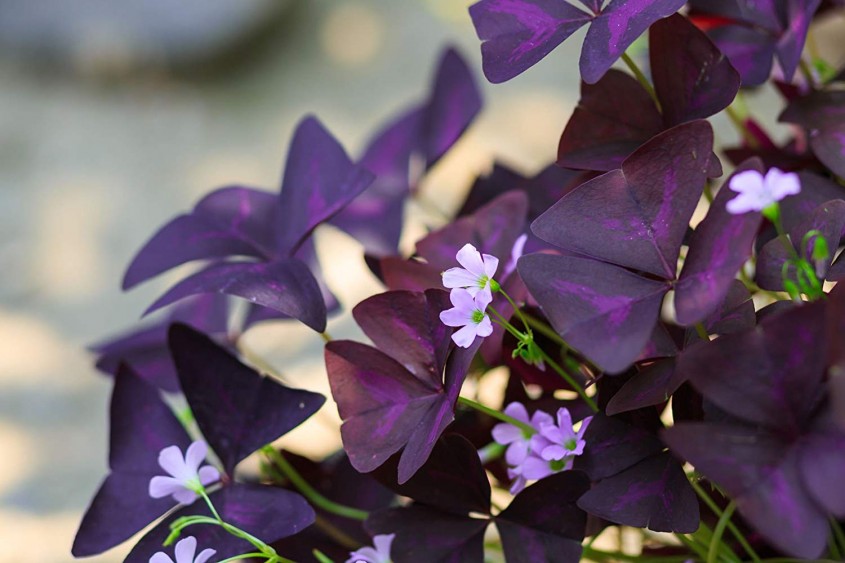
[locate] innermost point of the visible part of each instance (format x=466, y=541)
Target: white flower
x=187, y=478
x=468, y=312
x=381, y=553
x=476, y=274
x=185, y=550
x=757, y=192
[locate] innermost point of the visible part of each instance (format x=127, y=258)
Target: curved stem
x=545, y=330
x=310, y=492
x=526, y=428
x=737, y=121
x=716, y=540
x=243, y=556
x=570, y=380
x=641, y=78
x=517, y=310
x=711, y=504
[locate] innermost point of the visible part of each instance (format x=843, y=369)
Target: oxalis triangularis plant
x=683, y=377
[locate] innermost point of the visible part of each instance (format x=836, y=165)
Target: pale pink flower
x=185, y=550
x=381, y=553
x=476, y=274
x=757, y=192
x=186, y=478
x=468, y=312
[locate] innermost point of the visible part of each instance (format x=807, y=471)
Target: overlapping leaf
x=822, y=114
x=757, y=31
x=397, y=395
x=237, y=409
x=269, y=231
x=424, y=132
x=517, y=34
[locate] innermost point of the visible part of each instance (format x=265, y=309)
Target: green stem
x=693, y=545
x=516, y=310
x=702, y=332
x=641, y=78
x=838, y=534
x=570, y=380
x=326, y=336
x=711, y=504
x=243, y=556
x=526, y=428
x=738, y=122
x=321, y=557
x=545, y=330
x=601, y=555
x=310, y=492
x=268, y=551
x=754, y=288
x=716, y=540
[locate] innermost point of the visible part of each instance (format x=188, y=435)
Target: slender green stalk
x=310, y=492
x=738, y=122
x=716, y=540
x=326, y=336
x=570, y=380
x=838, y=534
x=711, y=504
x=321, y=557
x=517, y=310
x=702, y=332
x=693, y=545
x=641, y=78
x=254, y=555
x=545, y=330
x=526, y=428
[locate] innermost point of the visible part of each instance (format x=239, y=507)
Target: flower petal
x=505, y=433
x=186, y=548
x=485, y=327
x=382, y=544
x=470, y=258
x=459, y=277
x=205, y=555
x=517, y=452
x=184, y=496
x=160, y=557
x=782, y=184
x=491, y=264
x=208, y=475
x=455, y=317
x=536, y=468
x=170, y=459
x=462, y=299
x=518, y=411
x=161, y=486
x=195, y=455
x=749, y=181
x=465, y=336
x=483, y=299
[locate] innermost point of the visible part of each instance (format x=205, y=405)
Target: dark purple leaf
x=717, y=250
x=412, y=275
x=636, y=216
x=268, y=513
x=653, y=494
x=517, y=34
x=614, y=116
x=452, y=480
x=604, y=311
x=760, y=471
x=319, y=181
x=829, y=219
x=285, y=285
x=620, y=23
x=769, y=375
x=815, y=190
x=385, y=406
x=822, y=458
x=613, y=446
x=652, y=385
x=145, y=349
x=822, y=114
x=426, y=535
x=237, y=409
x=692, y=78
x=141, y=426
x=426, y=131
x=543, y=523
x=230, y=221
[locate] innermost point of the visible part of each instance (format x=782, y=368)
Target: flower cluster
x=472, y=292
x=542, y=447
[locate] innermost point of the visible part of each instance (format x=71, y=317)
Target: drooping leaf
x=237, y=409
x=285, y=285
x=386, y=407
x=822, y=114
x=141, y=426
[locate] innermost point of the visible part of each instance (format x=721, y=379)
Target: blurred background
x=116, y=116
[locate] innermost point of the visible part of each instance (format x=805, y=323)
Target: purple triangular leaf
x=620, y=23
x=790, y=44
x=452, y=105
x=692, y=78
x=604, y=311
x=769, y=375
x=815, y=190
x=237, y=409
x=822, y=458
x=760, y=472
x=406, y=325
x=614, y=116
x=426, y=535
x=517, y=34
x=230, y=221
x=268, y=513
x=452, y=480
x=717, y=250
x=141, y=426
x=319, y=181
x=653, y=494
x=652, y=385
x=285, y=285
x=636, y=216
x=543, y=522
x=613, y=446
